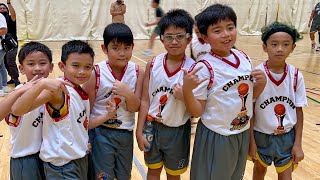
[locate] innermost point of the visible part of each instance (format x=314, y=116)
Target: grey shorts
x=170, y=147
x=75, y=169
x=27, y=168
x=157, y=30
x=315, y=26
x=218, y=157
x=112, y=153
x=275, y=148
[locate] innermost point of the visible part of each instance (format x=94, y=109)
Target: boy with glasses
x=162, y=100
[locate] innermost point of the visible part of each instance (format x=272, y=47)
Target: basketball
x=117, y=101
x=279, y=109
x=243, y=89
x=163, y=99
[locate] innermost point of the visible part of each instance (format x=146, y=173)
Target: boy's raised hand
x=120, y=88
x=259, y=77
x=191, y=80
x=56, y=86
x=29, y=84
x=177, y=92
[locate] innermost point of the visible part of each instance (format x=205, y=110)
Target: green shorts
x=315, y=26
x=219, y=157
x=170, y=147
x=157, y=30
x=112, y=153
x=276, y=149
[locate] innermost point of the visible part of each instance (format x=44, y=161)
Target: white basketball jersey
x=26, y=133
x=229, y=100
x=199, y=48
x=66, y=138
x=163, y=105
x=275, y=108
x=104, y=83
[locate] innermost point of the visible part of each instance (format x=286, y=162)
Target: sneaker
x=5, y=89
x=1, y=93
x=10, y=82
x=318, y=48
x=147, y=53
x=16, y=82
x=313, y=45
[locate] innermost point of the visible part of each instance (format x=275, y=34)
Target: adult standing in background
x=3, y=72
x=117, y=10
x=315, y=26
x=10, y=58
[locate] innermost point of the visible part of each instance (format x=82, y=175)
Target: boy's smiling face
x=36, y=63
x=176, y=46
x=221, y=37
x=78, y=67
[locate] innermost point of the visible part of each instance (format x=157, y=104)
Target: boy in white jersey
x=276, y=135
x=162, y=100
x=222, y=96
x=66, y=114
x=26, y=130
x=119, y=79
x=198, y=46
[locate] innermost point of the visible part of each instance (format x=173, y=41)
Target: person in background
x=10, y=57
x=3, y=72
x=315, y=25
x=117, y=10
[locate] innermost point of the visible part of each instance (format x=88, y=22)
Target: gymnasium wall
x=86, y=19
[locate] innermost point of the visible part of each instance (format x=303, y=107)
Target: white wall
x=86, y=19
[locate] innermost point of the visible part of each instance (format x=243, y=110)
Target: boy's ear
x=21, y=69
x=205, y=38
x=51, y=67
x=293, y=46
x=104, y=49
x=264, y=47
x=62, y=66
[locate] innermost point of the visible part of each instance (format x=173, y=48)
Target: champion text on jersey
x=162, y=89
x=237, y=80
x=276, y=99
x=38, y=120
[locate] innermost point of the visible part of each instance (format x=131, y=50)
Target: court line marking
x=139, y=167
x=139, y=59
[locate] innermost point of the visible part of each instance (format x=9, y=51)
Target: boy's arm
x=154, y=22
x=12, y=11
x=46, y=90
x=90, y=88
x=252, y=144
x=98, y=120
x=123, y=9
x=143, y=111
x=313, y=13
x=7, y=103
x=297, y=152
x=190, y=81
x=260, y=82
x=132, y=98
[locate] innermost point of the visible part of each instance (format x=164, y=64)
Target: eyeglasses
x=179, y=37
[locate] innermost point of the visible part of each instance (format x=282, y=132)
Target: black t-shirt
x=12, y=27
x=159, y=12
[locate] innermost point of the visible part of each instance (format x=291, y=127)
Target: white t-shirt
x=228, y=108
x=163, y=105
x=199, y=48
x=3, y=24
x=275, y=108
x=66, y=138
x=104, y=83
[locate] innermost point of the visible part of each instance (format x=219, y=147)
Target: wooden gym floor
x=307, y=61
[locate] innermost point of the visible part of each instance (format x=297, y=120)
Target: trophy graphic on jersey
x=162, y=103
x=280, y=112
x=242, y=119
x=114, y=122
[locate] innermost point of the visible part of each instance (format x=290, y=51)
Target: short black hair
x=117, y=32
x=275, y=27
x=32, y=47
x=75, y=46
x=213, y=15
x=178, y=18
x=156, y=1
